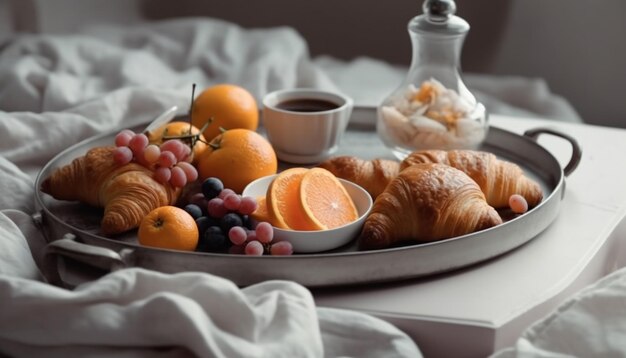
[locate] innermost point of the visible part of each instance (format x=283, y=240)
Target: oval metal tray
x=72, y=229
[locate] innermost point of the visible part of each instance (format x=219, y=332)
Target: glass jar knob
x=432, y=108
x=439, y=10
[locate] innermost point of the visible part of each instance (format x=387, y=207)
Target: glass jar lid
x=439, y=17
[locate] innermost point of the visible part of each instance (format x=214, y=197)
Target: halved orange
x=325, y=200
x=261, y=213
x=284, y=204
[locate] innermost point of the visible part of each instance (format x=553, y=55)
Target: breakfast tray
x=71, y=229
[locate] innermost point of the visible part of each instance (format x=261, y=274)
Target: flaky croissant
x=126, y=192
x=426, y=202
x=498, y=179
x=373, y=175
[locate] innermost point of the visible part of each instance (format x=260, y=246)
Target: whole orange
x=237, y=157
x=169, y=227
x=227, y=106
x=178, y=129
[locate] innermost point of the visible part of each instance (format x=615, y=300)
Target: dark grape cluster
x=223, y=219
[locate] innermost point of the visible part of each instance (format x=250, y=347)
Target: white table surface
x=475, y=311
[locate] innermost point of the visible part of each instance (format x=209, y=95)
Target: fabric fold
x=134, y=308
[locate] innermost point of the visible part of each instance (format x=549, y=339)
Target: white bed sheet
x=58, y=90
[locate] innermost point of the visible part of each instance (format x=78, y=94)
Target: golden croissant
x=426, y=202
x=126, y=192
x=372, y=175
x=498, y=179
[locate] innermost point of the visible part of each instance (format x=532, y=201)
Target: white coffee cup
x=305, y=126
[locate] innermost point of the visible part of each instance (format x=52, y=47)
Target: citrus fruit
x=261, y=213
x=169, y=227
x=227, y=106
x=178, y=129
x=283, y=201
x=237, y=157
x=325, y=200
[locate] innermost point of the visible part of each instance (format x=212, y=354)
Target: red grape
x=123, y=138
x=237, y=235
x=254, y=248
x=281, y=248
x=216, y=208
x=162, y=174
x=178, y=179
x=232, y=201
x=122, y=155
x=176, y=147
x=251, y=235
x=518, y=204
x=248, y=205
x=264, y=232
x=190, y=171
x=151, y=153
x=186, y=154
x=140, y=158
x=225, y=192
x=137, y=144
x=167, y=159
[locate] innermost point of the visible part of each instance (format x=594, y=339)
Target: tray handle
x=576, y=150
x=94, y=256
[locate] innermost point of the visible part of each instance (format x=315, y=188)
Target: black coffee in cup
x=307, y=105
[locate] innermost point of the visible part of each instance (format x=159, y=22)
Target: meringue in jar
x=430, y=117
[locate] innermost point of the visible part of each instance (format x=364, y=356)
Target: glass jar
x=432, y=108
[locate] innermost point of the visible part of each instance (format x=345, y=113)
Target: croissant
x=372, y=175
x=497, y=178
x=426, y=202
x=126, y=192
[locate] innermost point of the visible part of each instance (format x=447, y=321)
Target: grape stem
x=193, y=92
x=193, y=138
x=217, y=141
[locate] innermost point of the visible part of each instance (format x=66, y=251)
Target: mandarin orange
x=226, y=106
x=169, y=227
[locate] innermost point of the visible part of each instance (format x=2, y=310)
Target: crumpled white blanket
x=141, y=313
x=590, y=324
x=58, y=90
